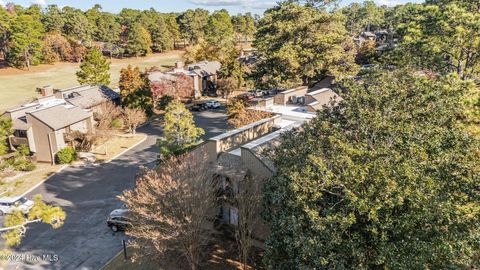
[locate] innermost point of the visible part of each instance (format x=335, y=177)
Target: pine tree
x=139, y=41
x=25, y=42
x=95, y=69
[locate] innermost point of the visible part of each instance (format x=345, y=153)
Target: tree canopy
x=299, y=44
x=385, y=180
x=95, y=69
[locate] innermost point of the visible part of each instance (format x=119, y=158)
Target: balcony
x=16, y=141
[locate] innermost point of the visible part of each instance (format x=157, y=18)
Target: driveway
x=88, y=194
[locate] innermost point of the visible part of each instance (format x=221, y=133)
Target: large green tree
x=139, y=41
x=219, y=29
x=76, y=25
x=299, y=44
x=384, y=180
x=193, y=24
x=52, y=19
x=443, y=38
x=95, y=69
x=25, y=41
x=5, y=29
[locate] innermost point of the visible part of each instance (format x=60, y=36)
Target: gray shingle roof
x=60, y=116
x=89, y=97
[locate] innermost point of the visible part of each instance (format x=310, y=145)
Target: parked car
x=198, y=107
x=118, y=220
x=246, y=96
x=213, y=104
x=10, y=204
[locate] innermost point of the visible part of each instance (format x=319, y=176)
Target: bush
x=24, y=165
x=23, y=150
x=163, y=102
x=117, y=123
x=66, y=155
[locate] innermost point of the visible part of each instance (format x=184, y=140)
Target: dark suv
x=118, y=220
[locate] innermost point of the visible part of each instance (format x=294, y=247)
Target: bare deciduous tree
x=227, y=86
x=170, y=209
x=108, y=112
x=132, y=117
x=249, y=202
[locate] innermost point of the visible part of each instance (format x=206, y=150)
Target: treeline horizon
x=34, y=35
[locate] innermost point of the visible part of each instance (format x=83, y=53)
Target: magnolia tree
x=170, y=209
x=385, y=180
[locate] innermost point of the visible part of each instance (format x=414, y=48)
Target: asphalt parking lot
x=88, y=194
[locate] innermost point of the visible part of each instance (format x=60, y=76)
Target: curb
x=126, y=150
x=111, y=259
x=43, y=181
x=68, y=165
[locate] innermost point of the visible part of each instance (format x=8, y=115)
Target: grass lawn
x=116, y=145
x=23, y=183
x=18, y=86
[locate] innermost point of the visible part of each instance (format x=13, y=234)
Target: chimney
x=46, y=90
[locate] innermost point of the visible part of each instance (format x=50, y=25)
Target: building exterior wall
x=283, y=97
x=244, y=134
x=254, y=165
x=322, y=97
x=41, y=138
x=60, y=141
x=31, y=140
x=80, y=126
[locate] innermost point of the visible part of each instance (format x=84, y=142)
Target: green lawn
x=19, y=86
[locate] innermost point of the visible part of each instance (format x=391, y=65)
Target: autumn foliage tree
x=170, y=208
x=240, y=115
x=135, y=90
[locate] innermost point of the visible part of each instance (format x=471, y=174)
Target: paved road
x=88, y=194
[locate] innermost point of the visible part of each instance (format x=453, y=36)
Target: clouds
x=250, y=4
x=2, y=3
x=389, y=2
x=39, y=2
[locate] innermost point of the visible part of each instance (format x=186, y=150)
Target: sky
x=233, y=6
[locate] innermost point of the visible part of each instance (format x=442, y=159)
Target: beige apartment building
x=45, y=124
x=241, y=152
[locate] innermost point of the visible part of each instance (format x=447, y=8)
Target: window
x=234, y=216
x=20, y=133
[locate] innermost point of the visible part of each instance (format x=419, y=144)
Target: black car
x=199, y=107
x=118, y=220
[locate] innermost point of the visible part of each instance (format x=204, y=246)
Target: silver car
x=11, y=204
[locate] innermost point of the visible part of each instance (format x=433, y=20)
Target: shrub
x=24, y=165
x=66, y=155
x=117, y=123
x=23, y=150
x=163, y=102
